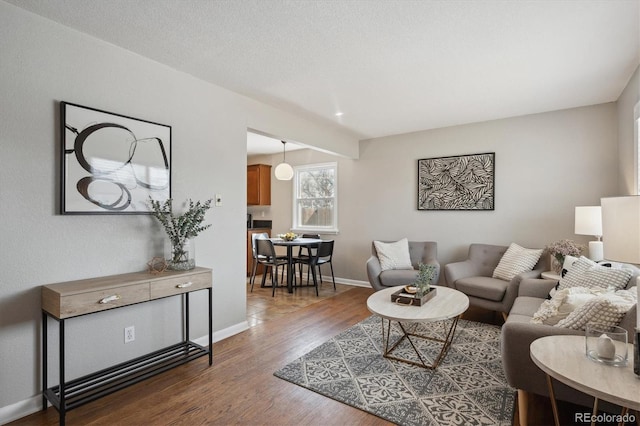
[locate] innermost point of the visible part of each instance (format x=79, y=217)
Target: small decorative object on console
x=181, y=229
x=157, y=265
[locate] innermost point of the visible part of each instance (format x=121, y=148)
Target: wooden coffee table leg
x=552, y=396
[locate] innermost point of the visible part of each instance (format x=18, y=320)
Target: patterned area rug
x=468, y=388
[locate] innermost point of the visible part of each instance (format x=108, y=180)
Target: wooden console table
x=72, y=299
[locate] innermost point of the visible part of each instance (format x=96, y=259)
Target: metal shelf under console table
x=63, y=301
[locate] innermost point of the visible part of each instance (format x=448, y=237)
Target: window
x=315, y=198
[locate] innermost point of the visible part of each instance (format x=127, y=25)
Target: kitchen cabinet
x=259, y=185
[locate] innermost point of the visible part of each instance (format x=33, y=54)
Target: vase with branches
x=423, y=282
x=181, y=229
x=561, y=249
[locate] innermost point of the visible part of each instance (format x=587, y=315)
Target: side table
x=551, y=275
x=563, y=358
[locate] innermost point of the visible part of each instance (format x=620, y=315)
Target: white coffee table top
x=564, y=359
x=447, y=303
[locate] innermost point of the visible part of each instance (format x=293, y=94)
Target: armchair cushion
x=484, y=287
x=393, y=255
x=395, y=277
x=516, y=260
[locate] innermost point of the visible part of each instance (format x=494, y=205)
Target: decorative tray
x=406, y=296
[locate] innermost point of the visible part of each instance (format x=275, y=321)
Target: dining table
x=290, y=244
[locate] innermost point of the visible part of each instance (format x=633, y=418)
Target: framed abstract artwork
x=462, y=182
x=111, y=163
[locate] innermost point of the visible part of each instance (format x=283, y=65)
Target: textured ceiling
x=390, y=66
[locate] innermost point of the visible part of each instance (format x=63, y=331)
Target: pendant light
x=283, y=170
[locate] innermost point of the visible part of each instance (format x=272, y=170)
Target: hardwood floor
x=240, y=387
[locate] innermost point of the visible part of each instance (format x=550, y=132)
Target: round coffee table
x=448, y=304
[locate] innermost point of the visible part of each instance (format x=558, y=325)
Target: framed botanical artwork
x=461, y=182
x=111, y=163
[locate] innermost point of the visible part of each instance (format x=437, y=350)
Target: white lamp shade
x=621, y=228
x=284, y=171
x=588, y=220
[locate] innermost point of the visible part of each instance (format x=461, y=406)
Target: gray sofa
x=419, y=251
x=518, y=334
x=473, y=277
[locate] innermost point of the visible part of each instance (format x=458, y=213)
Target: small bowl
x=410, y=289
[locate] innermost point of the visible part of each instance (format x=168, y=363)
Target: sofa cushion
x=393, y=255
x=586, y=273
x=515, y=261
x=525, y=306
x=483, y=287
x=394, y=277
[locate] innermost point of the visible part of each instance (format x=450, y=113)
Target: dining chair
x=266, y=255
x=254, y=252
x=304, y=254
x=323, y=255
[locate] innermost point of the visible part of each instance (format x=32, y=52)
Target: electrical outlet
x=129, y=334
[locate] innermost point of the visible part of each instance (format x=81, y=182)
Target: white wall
x=546, y=164
x=43, y=63
x=627, y=155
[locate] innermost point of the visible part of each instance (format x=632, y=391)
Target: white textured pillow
x=563, y=303
x=586, y=273
x=515, y=261
x=607, y=308
x=393, y=255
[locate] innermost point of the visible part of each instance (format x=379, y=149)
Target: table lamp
x=621, y=230
x=588, y=221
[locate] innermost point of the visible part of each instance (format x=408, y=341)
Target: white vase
x=180, y=257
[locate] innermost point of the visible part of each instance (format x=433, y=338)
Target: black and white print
x=463, y=182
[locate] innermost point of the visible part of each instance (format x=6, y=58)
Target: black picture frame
x=112, y=163
x=460, y=182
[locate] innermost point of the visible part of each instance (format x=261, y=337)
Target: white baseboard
x=223, y=334
x=355, y=283
x=20, y=409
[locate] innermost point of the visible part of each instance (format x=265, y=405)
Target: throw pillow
x=568, y=262
x=586, y=273
x=515, y=261
x=393, y=255
x=607, y=309
x=562, y=304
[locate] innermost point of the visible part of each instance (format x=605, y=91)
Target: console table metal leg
x=186, y=316
x=63, y=408
x=45, y=373
x=210, y=325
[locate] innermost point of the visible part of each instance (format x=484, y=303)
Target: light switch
x=218, y=200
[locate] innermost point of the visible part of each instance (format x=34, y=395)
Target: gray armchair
x=419, y=251
x=473, y=277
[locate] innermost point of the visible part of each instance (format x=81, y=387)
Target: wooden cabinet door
x=259, y=185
